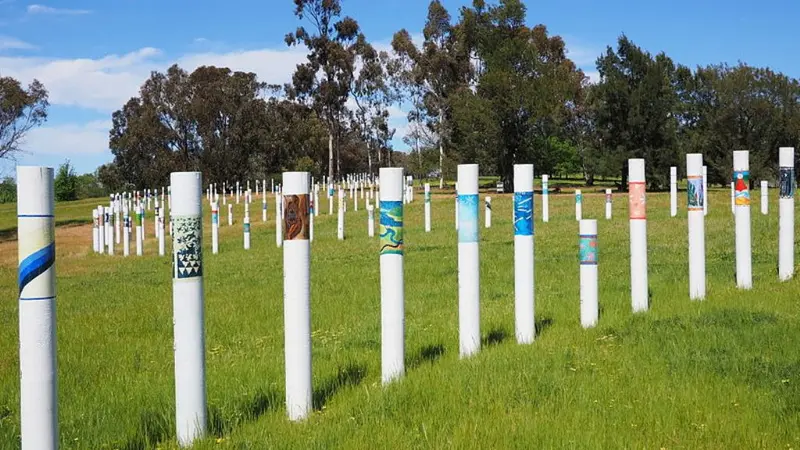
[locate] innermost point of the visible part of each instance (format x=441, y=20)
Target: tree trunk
x=369, y=159
x=419, y=155
x=330, y=157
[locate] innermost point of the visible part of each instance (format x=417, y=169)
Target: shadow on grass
x=349, y=375
x=543, y=324
x=426, y=354
x=495, y=336
x=221, y=422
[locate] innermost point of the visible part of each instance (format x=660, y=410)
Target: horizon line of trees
x=483, y=88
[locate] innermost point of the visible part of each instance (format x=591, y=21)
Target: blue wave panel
x=523, y=213
x=36, y=264
x=468, y=218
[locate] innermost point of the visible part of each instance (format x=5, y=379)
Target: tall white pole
x=705, y=190
x=296, y=295
x=468, y=261
x=214, y=228
x=37, y=308
x=278, y=219
x=488, y=212
x=608, y=204
x=126, y=231
x=264, y=207
x=786, y=213
x=590, y=308
x=371, y=220
x=187, y=304
x=638, y=229
x=101, y=232
x=95, y=230
x=733, y=196
x=139, y=229
x=427, y=207
x=764, y=197
x=697, y=232
x=340, y=216
x=523, y=254
x=741, y=175
x=246, y=226
x=317, y=206
x=456, y=198
x=117, y=233
x=109, y=230
x=673, y=191
x=161, y=249
x=230, y=214
x=392, y=283
x=330, y=199
x=545, y=198
x=578, y=205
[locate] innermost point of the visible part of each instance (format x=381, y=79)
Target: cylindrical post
x=95, y=231
x=588, y=260
x=246, y=226
x=371, y=221
x=638, y=229
x=230, y=214
x=697, y=233
x=278, y=219
x=340, y=216
x=117, y=232
x=741, y=175
x=109, y=230
x=578, y=205
x=523, y=254
x=316, y=201
x=264, y=208
x=468, y=261
x=391, y=266
x=456, y=201
x=733, y=195
x=488, y=212
x=608, y=204
x=187, y=304
x=705, y=190
x=786, y=213
x=545, y=198
x=214, y=228
x=126, y=231
x=427, y=207
x=161, y=248
x=330, y=199
x=139, y=229
x=37, y=308
x=296, y=295
x=673, y=191
x=764, y=197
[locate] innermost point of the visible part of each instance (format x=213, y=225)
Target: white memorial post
x=391, y=267
x=427, y=207
x=214, y=228
x=578, y=205
x=705, y=190
x=161, y=249
x=487, y=212
x=764, y=197
x=786, y=213
x=524, y=293
x=545, y=198
x=637, y=209
x=37, y=308
x=588, y=260
x=468, y=261
x=741, y=175
x=608, y=204
x=697, y=232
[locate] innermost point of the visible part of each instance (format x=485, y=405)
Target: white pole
x=117, y=233
x=264, y=208
x=296, y=295
x=139, y=229
x=230, y=214
x=101, y=231
x=391, y=266
x=310, y=219
x=354, y=195
x=330, y=199
x=705, y=190
x=456, y=198
x=109, y=230
x=697, y=233
x=95, y=230
x=786, y=213
x=161, y=250
x=578, y=205
x=545, y=198
x=246, y=225
x=427, y=207
x=488, y=212
x=733, y=197
x=37, y=308
x=278, y=220
x=523, y=253
x=214, y=228
x=764, y=197
x=588, y=261
x=741, y=175
x=126, y=231
x=371, y=220
x=316, y=201
x=673, y=191
x=187, y=304
x=608, y=204
x=638, y=228
x=340, y=216
x=468, y=261
x=237, y=192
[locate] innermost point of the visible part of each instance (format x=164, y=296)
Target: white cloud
x=593, y=75
x=69, y=139
x=10, y=43
x=42, y=9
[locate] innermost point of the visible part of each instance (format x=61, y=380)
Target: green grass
x=723, y=373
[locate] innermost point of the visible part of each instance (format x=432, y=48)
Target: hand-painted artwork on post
x=187, y=261
x=741, y=187
x=695, y=193
x=523, y=214
x=391, y=227
x=215, y=217
x=787, y=183
x=636, y=200
x=295, y=217
x=588, y=249
x=468, y=218
x=579, y=198
x=487, y=204
x=608, y=197
x=428, y=197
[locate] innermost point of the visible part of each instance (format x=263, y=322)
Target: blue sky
x=93, y=55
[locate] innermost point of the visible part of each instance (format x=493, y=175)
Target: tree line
x=482, y=87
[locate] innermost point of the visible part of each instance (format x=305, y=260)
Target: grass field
x=723, y=373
